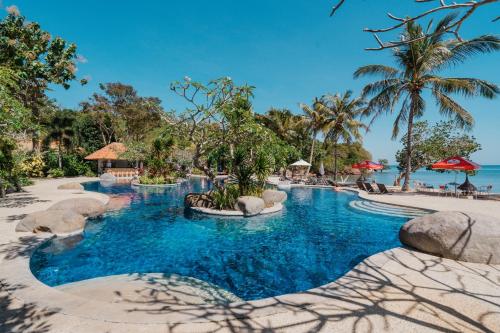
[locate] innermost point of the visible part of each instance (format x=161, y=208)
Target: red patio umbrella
x=458, y=163
x=367, y=165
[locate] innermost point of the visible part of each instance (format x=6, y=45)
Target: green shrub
x=226, y=197
x=89, y=173
x=72, y=163
x=75, y=165
x=32, y=166
x=160, y=180
x=55, y=173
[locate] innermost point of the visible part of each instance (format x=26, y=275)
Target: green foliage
x=73, y=163
x=385, y=163
x=122, y=115
x=55, y=173
x=419, y=62
x=225, y=197
x=434, y=143
x=87, y=135
x=156, y=180
x=32, y=166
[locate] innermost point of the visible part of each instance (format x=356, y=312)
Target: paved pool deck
x=399, y=290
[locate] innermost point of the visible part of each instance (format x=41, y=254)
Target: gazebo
x=299, y=169
x=109, y=160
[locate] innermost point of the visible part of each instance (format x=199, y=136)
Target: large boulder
x=250, y=206
x=271, y=197
x=70, y=186
x=455, y=235
x=53, y=221
x=88, y=207
x=202, y=200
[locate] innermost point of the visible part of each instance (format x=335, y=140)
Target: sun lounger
x=369, y=188
x=361, y=186
x=383, y=189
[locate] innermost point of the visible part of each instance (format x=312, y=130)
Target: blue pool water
x=314, y=240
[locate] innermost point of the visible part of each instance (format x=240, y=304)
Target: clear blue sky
x=290, y=50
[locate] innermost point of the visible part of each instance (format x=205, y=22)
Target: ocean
x=487, y=175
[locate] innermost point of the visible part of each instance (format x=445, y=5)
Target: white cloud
x=81, y=59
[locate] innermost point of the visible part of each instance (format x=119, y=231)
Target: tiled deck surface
x=399, y=290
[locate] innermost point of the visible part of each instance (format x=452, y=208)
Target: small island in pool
x=226, y=201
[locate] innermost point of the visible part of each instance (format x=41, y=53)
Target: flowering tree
x=39, y=59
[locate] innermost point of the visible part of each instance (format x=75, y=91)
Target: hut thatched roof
x=109, y=152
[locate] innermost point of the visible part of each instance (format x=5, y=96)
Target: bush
x=55, y=173
x=32, y=166
x=73, y=164
x=160, y=180
x=226, y=197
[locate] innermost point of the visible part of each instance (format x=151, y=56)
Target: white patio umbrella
x=300, y=163
x=322, y=169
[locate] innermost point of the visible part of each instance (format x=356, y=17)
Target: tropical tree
x=288, y=127
x=435, y=143
x=39, y=59
x=61, y=132
x=122, y=114
x=341, y=120
x=419, y=62
x=316, y=121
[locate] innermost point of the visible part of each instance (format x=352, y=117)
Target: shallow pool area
x=316, y=239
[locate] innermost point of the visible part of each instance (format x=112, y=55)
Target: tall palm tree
x=61, y=131
x=342, y=123
x=316, y=121
x=281, y=121
x=419, y=62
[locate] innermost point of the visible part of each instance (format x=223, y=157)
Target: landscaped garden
x=196, y=208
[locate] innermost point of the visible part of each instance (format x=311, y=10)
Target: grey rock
x=455, y=235
x=53, y=221
x=107, y=177
x=271, y=197
x=85, y=206
x=70, y=186
x=202, y=200
x=250, y=206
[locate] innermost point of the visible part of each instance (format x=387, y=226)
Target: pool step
x=386, y=209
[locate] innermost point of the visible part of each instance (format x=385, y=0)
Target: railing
x=122, y=172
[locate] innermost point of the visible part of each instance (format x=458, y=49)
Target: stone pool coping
x=277, y=207
x=396, y=290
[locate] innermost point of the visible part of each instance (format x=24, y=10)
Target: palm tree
x=419, y=62
x=61, y=131
x=342, y=124
x=316, y=121
x=287, y=126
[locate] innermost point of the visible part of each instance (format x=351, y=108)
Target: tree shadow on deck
x=19, y=200
x=410, y=292
x=16, y=316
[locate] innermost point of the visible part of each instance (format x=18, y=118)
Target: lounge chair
x=369, y=188
x=361, y=186
x=383, y=189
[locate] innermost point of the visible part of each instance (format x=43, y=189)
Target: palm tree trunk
x=59, y=158
x=312, y=151
x=409, y=148
x=335, y=162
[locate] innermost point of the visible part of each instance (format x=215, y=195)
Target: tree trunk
x=59, y=157
x=312, y=152
x=335, y=162
x=409, y=150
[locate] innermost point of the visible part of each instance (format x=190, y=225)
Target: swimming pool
x=316, y=239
